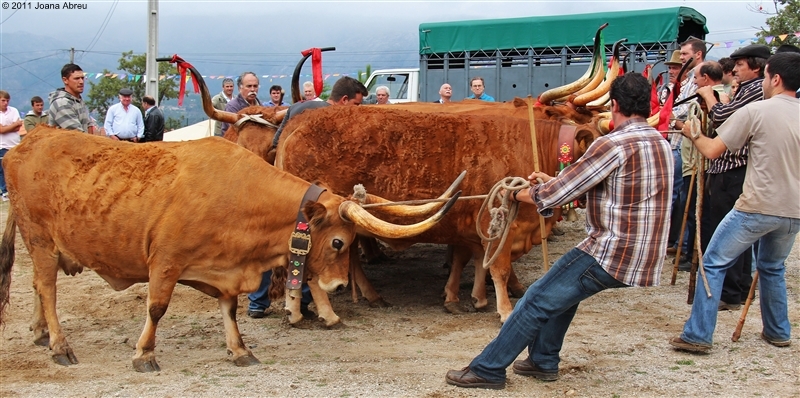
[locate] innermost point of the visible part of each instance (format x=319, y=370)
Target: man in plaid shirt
x=626, y=177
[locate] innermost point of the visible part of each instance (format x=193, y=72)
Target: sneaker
x=776, y=343
x=678, y=343
x=685, y=266
x=723, y=306
x=5, y=196
x=526, y=367
x=258, y=314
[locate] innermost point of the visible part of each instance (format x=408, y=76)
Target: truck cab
x=403, y=84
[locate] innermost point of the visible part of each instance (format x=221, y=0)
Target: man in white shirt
x=9, y=134
x=123, y=121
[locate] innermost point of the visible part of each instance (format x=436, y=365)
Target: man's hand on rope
x=537, y=177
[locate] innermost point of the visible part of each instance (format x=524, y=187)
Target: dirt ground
x=617, y=345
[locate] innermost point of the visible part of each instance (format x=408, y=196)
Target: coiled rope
x=501, y=217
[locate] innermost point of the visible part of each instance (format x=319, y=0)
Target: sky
x=268, y=35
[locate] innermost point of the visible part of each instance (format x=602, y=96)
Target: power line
x=12, y=14
x=32, y=74
x=30, y=60
x=102, y=26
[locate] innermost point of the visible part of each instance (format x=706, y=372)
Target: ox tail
x=7, y=261
x=277, y=286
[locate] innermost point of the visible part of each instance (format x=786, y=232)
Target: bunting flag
x=132, y=77
x=751, y=40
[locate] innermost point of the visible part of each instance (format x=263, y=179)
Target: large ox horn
x=603, y=88
x=208, y=108
x=411, y=210
x=547, y=97
x=296, y=96
x=352, y=211
x=597, y=78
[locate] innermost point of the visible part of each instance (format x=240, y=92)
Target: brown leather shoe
x=467, y=379
x=526, y=367
x=678, y=343
x=672, y=250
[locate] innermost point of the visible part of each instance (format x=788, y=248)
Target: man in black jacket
x=153, y=120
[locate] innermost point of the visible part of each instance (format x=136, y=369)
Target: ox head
x=255, y=127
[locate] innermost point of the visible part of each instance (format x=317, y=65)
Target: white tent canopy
x=194, y=132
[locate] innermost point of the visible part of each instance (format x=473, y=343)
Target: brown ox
x=406, y=155
x=207, y=214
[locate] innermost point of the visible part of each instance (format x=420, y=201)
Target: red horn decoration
x=316, y=67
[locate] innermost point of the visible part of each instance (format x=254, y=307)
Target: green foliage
x=173, y=124
x=785, y=20
x=106, y=93
x=326, y=91
x=363, y=76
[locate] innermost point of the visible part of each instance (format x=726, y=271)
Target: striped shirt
x=749, y=91
x=68, y=112
x=627, y=178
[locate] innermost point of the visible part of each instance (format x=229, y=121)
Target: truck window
x=397, y=83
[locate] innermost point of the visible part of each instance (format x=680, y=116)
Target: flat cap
x=126, y=92
x=753, y=50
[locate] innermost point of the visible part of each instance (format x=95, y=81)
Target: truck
x=518, y=57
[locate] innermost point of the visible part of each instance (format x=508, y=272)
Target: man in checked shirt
x=626, y=177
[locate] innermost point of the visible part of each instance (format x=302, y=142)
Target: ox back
x=402, y=155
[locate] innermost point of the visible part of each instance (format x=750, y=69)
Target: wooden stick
x=683, y=227
x=692, y=279
x=542, y=225
x=738, y=332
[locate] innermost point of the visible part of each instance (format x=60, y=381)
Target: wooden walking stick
x=683, y=227
x=738, y=332
x=542, y=228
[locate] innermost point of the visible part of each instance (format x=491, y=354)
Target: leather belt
x=566, y=147
x=300, y=244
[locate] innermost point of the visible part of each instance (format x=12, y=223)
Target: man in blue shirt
x=477, y=86
x=123, y=121
x=276, y=97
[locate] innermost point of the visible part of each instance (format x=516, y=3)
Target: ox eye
x=338, y=244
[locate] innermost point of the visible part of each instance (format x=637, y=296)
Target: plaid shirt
x=749, y=91
x=627, y=177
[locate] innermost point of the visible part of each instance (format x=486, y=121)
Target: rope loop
x=501, y=216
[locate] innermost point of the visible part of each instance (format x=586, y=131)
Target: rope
x=501, y=217
x=254, y=118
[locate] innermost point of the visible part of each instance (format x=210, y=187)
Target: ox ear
x=315, y=213
x=584, y=136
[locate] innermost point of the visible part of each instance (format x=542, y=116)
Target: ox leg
x=514, y=286
x=242, y=356
x=501, y=270
x=372, y=250
x=292, y=307
x=324, y=307
x=479, y=300
x=158, y=295
x=41, y=336
x=461, y=256
x=45, y=274
x=360, y=279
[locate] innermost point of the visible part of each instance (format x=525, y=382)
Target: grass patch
x=685, y=362
x=674, y=367
x=269, y=362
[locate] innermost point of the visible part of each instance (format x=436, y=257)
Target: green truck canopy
x=641, y=26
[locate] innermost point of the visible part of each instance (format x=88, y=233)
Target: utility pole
x=151, y=68
x=72, y=55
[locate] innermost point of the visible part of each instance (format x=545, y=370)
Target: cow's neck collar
x=300, y=244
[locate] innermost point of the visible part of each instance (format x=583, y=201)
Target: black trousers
x=722, y=191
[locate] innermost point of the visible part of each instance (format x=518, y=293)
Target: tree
x=105, y=93
x=784, y=21
x=363, y=76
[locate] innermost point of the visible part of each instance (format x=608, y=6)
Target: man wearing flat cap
x=123, y=120
x=726, y=173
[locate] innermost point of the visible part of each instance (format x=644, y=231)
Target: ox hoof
x=43, y=340
x=338, y=325
x=65, y=359
x=454, y=307
x=246, y=360
x=379, y=303
x=517, y=293
x=145, y=366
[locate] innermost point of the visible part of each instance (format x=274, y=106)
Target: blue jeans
x=259, y=299
x=3, y=188
x=735, y=234
x=678, y=201
x=542, y=316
